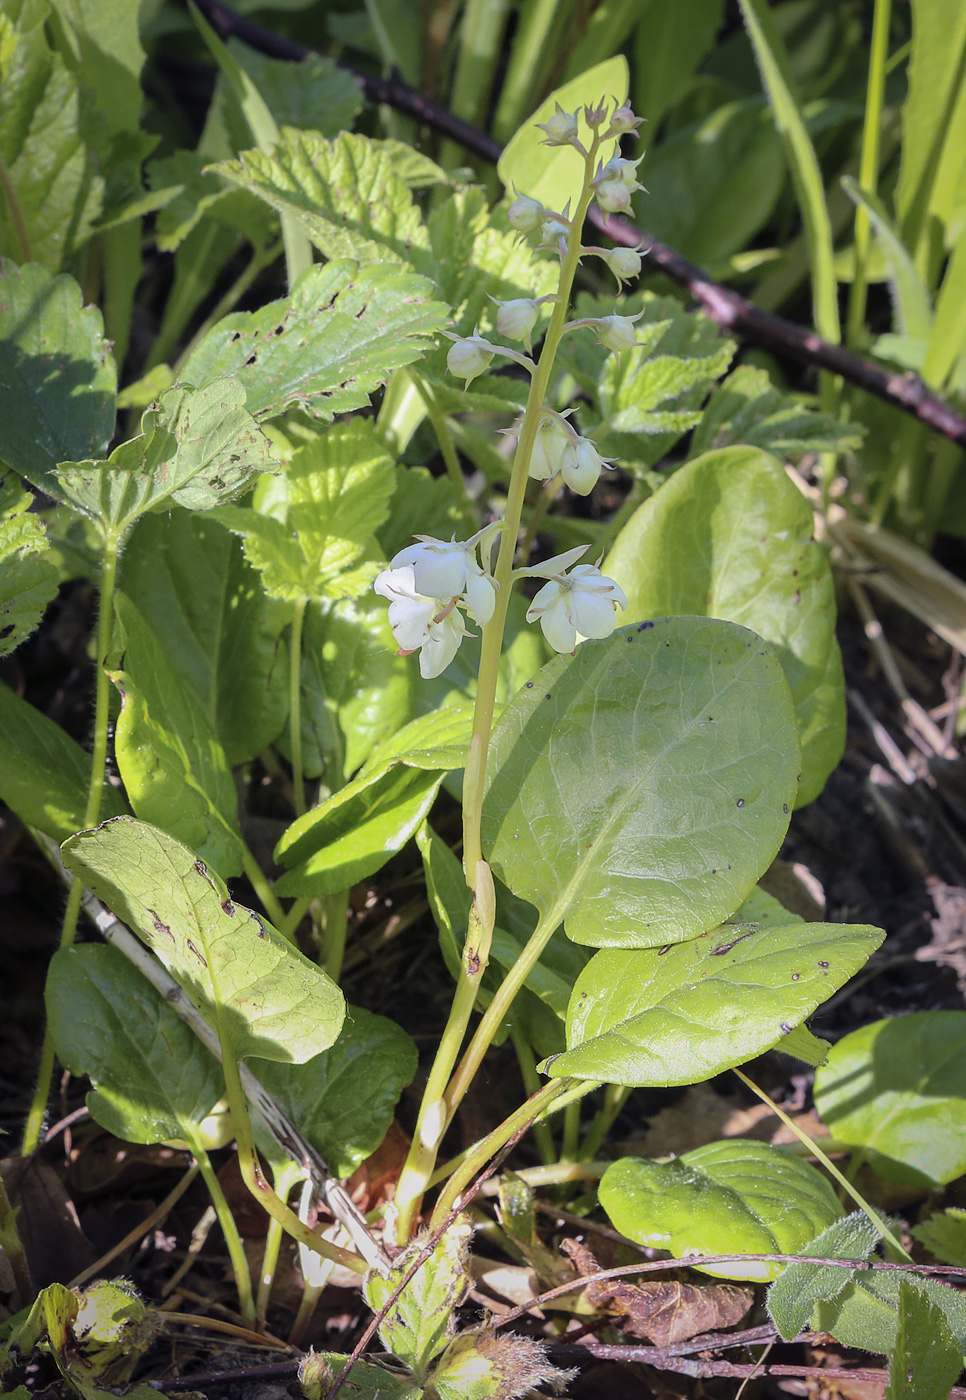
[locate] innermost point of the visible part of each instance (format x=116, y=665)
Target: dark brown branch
x=734, y=313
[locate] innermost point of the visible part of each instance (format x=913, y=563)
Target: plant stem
x=868, y=169
x=294, y=917
x=570, y=1142
x=551, y=1097
x=92, y=811
x=615, y=1097
x=233, y=1241
x=542, y=1135
x=435, y=1109
x=16, y=213
x=295, y=704
x=259, y=260
x=260, y=884
x=447, y=447
x=336, y=924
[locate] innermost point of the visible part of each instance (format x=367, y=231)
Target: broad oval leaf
x=57, y=377
x=735, y=1197
x=897, y=1089
x=265, y=996
x=730, y=536
x=152, y=1078
x=677, y=1015
x=553, y=175
x=324, y=349
x=44, y=773
x=638, y=788
x=344, y=1098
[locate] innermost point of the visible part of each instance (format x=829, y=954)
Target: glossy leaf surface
x=680, y=1014
x=727, y=1197
x=730, y=536
x=638, y=788
x=897, y=1089
x=268, y=1000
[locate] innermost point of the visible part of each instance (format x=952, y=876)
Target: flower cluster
x=559, y=449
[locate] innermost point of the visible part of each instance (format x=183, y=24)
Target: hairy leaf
x=28, y=580
x=421, y=1320
x=799, y=1287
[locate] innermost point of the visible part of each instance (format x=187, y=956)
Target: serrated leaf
x=192, y=192
x=730, y=536
x=152, y=1078
x=28, y=580
x=927, y=1359
x=680, y=1014
x=57, y=377
x=897, y=1089
x=344, y=1099
x=421, y=1321
x=638, y=788
x=554, y=174
x=944, y=1235
x=197, y=448
x=866, y=1313
x=188, y=578
x=44, y=773
x=53, y=174
x=633, y=385
x=307, y=528
x=352, y=327
x=313, y=94
x=736, y=1197
x=799, y=1287
x=267, y=999
x=346, y=194
x=174, y=769
x=747, y=408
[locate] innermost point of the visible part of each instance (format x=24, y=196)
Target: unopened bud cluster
x=434, y=586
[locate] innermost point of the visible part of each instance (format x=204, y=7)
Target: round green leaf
x=680, y=1014
x=152, y=1078
x=343, y=1100
x=638, y=788
x=897, y=1089
x=735, y=1197
x=729, y=536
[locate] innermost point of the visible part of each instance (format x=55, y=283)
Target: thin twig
x=732, y=312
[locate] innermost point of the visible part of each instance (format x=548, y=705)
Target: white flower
x=624, y=263
x=583, y=601
x=431, y=626
x=582, y=473
x=517, y=318
x=449, y=569
x=613, y=196
x=561, y=129
x=469, y=356
x=553, y=447
x=617, y=332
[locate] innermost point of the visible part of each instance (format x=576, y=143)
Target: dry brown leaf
x=664, y=1312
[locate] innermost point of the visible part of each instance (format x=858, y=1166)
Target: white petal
x=545, y=598
x=441, y=571
x=395, y=583
x=441, y=646
x=480, y=596
x=550, y=568
x=558, y=626
x=594, y=614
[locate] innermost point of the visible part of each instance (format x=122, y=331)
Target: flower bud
x=624, y=263
x=623, y=170
x=623, y=121
x=582, y=472
x=613, y=196
x=594, y=116
x=552, y=448
x=525, y=214
x=516, y=319
x=468, y=358
x=555, y=233
x=561, y=129
x=616, y=332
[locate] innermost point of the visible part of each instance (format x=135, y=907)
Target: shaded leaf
x=590, y=813
x=313, y=94
x=730, y=536
x=866, y=1313
x=352, y=327
x=369, y=1380
x=44, y=773
x=735, y=1197
x=152, y=1078
x=28, y=580
x=927, y=1359
x=267, y=999
x=679, y=1014
x=747, y=408
x=344, y=1098
x=57, y=377
x=944, y=1235
x=897, y=1089
x=799, y=1287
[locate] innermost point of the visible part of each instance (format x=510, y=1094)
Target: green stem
x=294, y=917
x=531, y=1082
x=615, y=1097
x=869, y=168
x=447, y=447
x=233, y=1241
x=336, y=925
x=260, y=884
x=295, y=704
x=254, y=1177
x=273, y=1244
x=570, y=1142
x=92, y=812
x=435, y=1110
x=550, y=1098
